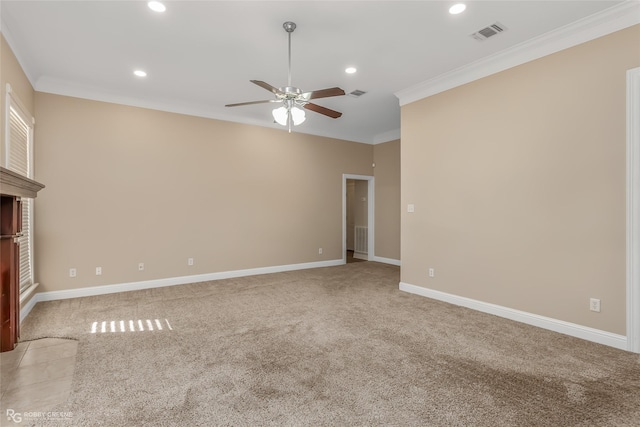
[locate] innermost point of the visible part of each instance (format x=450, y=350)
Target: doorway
x=357, y=218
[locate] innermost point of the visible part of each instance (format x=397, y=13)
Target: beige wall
x=128, y=185
x=11, y=72
x=387, y=210
x=518, y=181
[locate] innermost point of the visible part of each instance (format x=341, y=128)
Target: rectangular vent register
x=489, y=31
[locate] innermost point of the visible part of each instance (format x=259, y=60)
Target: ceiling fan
x=293, y=98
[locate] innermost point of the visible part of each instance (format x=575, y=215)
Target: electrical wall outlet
x=98, y=271
x=141, y=266
x=72, y=272
x=190, y=261
x=432, y=272
x=594, y=305
x=319, y=251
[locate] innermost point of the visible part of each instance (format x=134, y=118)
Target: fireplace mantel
x=14, y=184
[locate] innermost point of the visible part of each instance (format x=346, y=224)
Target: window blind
x=19, y=142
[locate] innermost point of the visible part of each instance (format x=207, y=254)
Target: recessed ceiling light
x=350, y=70
x=457, y=8
x=140, y=73
x=156, y=6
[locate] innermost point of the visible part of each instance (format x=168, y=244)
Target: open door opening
x=358, y=223
x=357, y=220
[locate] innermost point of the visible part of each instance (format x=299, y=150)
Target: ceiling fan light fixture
x=297, y=115
x=293, y=100
x=280, y=115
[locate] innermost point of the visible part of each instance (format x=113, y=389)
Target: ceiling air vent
x=357, y=93
x=489, y=31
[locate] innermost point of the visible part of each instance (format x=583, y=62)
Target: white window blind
x=19, y=149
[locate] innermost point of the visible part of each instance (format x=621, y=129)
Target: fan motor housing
x=290, y=92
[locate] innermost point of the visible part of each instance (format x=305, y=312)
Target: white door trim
x=633, y=210
x=370, y=213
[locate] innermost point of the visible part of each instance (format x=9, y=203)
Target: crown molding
x=54, y=86
x=383, y=137
x=592, y=27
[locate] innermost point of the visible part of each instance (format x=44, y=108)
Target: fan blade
x=322, y=110
x=253, y=102
x=267, y=86
x=323, y=93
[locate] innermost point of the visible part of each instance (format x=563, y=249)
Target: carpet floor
x=330, y=346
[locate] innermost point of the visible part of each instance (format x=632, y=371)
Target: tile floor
x=35, y=377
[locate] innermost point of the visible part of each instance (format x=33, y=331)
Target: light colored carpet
x=331, y=346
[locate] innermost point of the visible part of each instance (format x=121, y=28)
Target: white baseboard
x=171, y=281
x=567, y=328
x=27, y=307
x=386, y=260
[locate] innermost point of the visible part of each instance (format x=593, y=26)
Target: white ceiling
x=200, y=55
